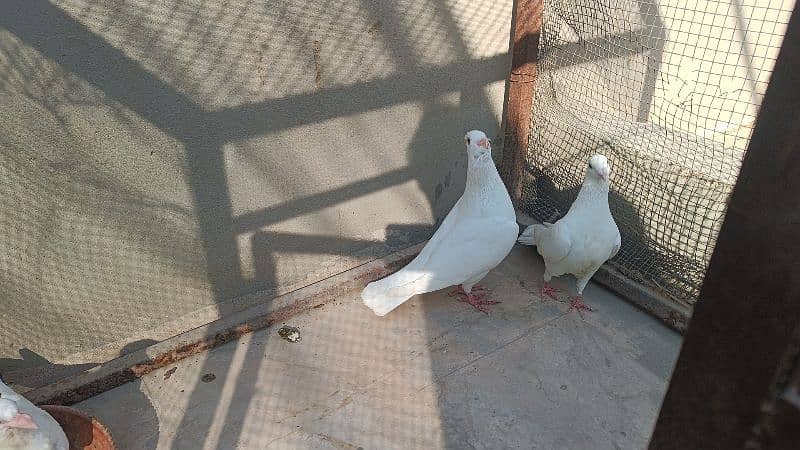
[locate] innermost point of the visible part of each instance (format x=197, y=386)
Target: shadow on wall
x=427, y=149
x=139, y=253
x=41, y=369
x=120, y=243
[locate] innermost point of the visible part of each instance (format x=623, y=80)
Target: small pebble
x=290, y=334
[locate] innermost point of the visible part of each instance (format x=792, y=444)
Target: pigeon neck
x=593, y=190
x=485, y=192
x=479, y=168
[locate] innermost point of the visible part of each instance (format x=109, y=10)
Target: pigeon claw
x=475, y=297
x=476, y=300
x=549, y=291
x=577, y=304
x=479, y=289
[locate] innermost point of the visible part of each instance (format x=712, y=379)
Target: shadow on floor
x=432, y=374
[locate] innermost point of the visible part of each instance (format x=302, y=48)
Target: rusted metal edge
x=129, y=367
x=673, y=315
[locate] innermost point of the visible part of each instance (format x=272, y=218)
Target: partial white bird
x=23, y=426
x=475, y=237
x=581, y=241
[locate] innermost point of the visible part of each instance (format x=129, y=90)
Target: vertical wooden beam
x=527, y=26
x=740, y=339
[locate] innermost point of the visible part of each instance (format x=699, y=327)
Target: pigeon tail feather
x=385, y=295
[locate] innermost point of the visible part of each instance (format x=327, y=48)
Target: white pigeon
x=23, y=426
x=581, y=241
x=476, y=236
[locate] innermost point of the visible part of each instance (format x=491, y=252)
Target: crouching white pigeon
x=23, y=426
x=476, y=236
x=581, y=241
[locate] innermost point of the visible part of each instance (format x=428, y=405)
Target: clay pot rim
x=95, y=423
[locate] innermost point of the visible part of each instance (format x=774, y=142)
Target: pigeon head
x=477, y=143
x=598, y=168
x=18, y=431
x=10, y=417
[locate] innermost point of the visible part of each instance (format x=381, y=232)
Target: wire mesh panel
x=668, y=90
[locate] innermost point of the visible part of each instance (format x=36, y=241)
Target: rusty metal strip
x=135, y=365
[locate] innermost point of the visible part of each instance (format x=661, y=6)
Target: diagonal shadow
x=334, y=103
x=127, y=82
x=273, y=214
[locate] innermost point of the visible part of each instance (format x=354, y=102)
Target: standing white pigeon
x=583, y=239
x=475, y=237
x=23, y=426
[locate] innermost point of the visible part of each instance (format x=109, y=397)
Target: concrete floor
x=433, y=374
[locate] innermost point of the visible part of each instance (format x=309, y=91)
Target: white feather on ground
x=585, y=238
x=475, y=237
x=17, y=415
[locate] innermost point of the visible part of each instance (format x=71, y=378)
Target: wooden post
x=727, y=388
x=527, y=24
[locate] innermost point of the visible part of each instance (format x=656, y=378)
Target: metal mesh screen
x=668, y=90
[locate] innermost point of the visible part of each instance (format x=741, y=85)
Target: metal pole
x=527, y=26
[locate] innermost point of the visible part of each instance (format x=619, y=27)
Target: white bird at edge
x=23, y=426
x=477, y=234
x=581, y=241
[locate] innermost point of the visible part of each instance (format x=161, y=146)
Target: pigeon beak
x=22, y=420
x=484, y=143
x=602, y=172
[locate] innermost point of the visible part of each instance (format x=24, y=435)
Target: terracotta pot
x=83, y=432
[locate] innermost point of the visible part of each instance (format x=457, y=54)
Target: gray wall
x=159, y=159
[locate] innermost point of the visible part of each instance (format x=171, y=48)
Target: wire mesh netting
x=168, y=164
x=668, y=90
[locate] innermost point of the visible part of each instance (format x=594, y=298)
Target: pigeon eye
x=467, y=141
x=590, y=166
